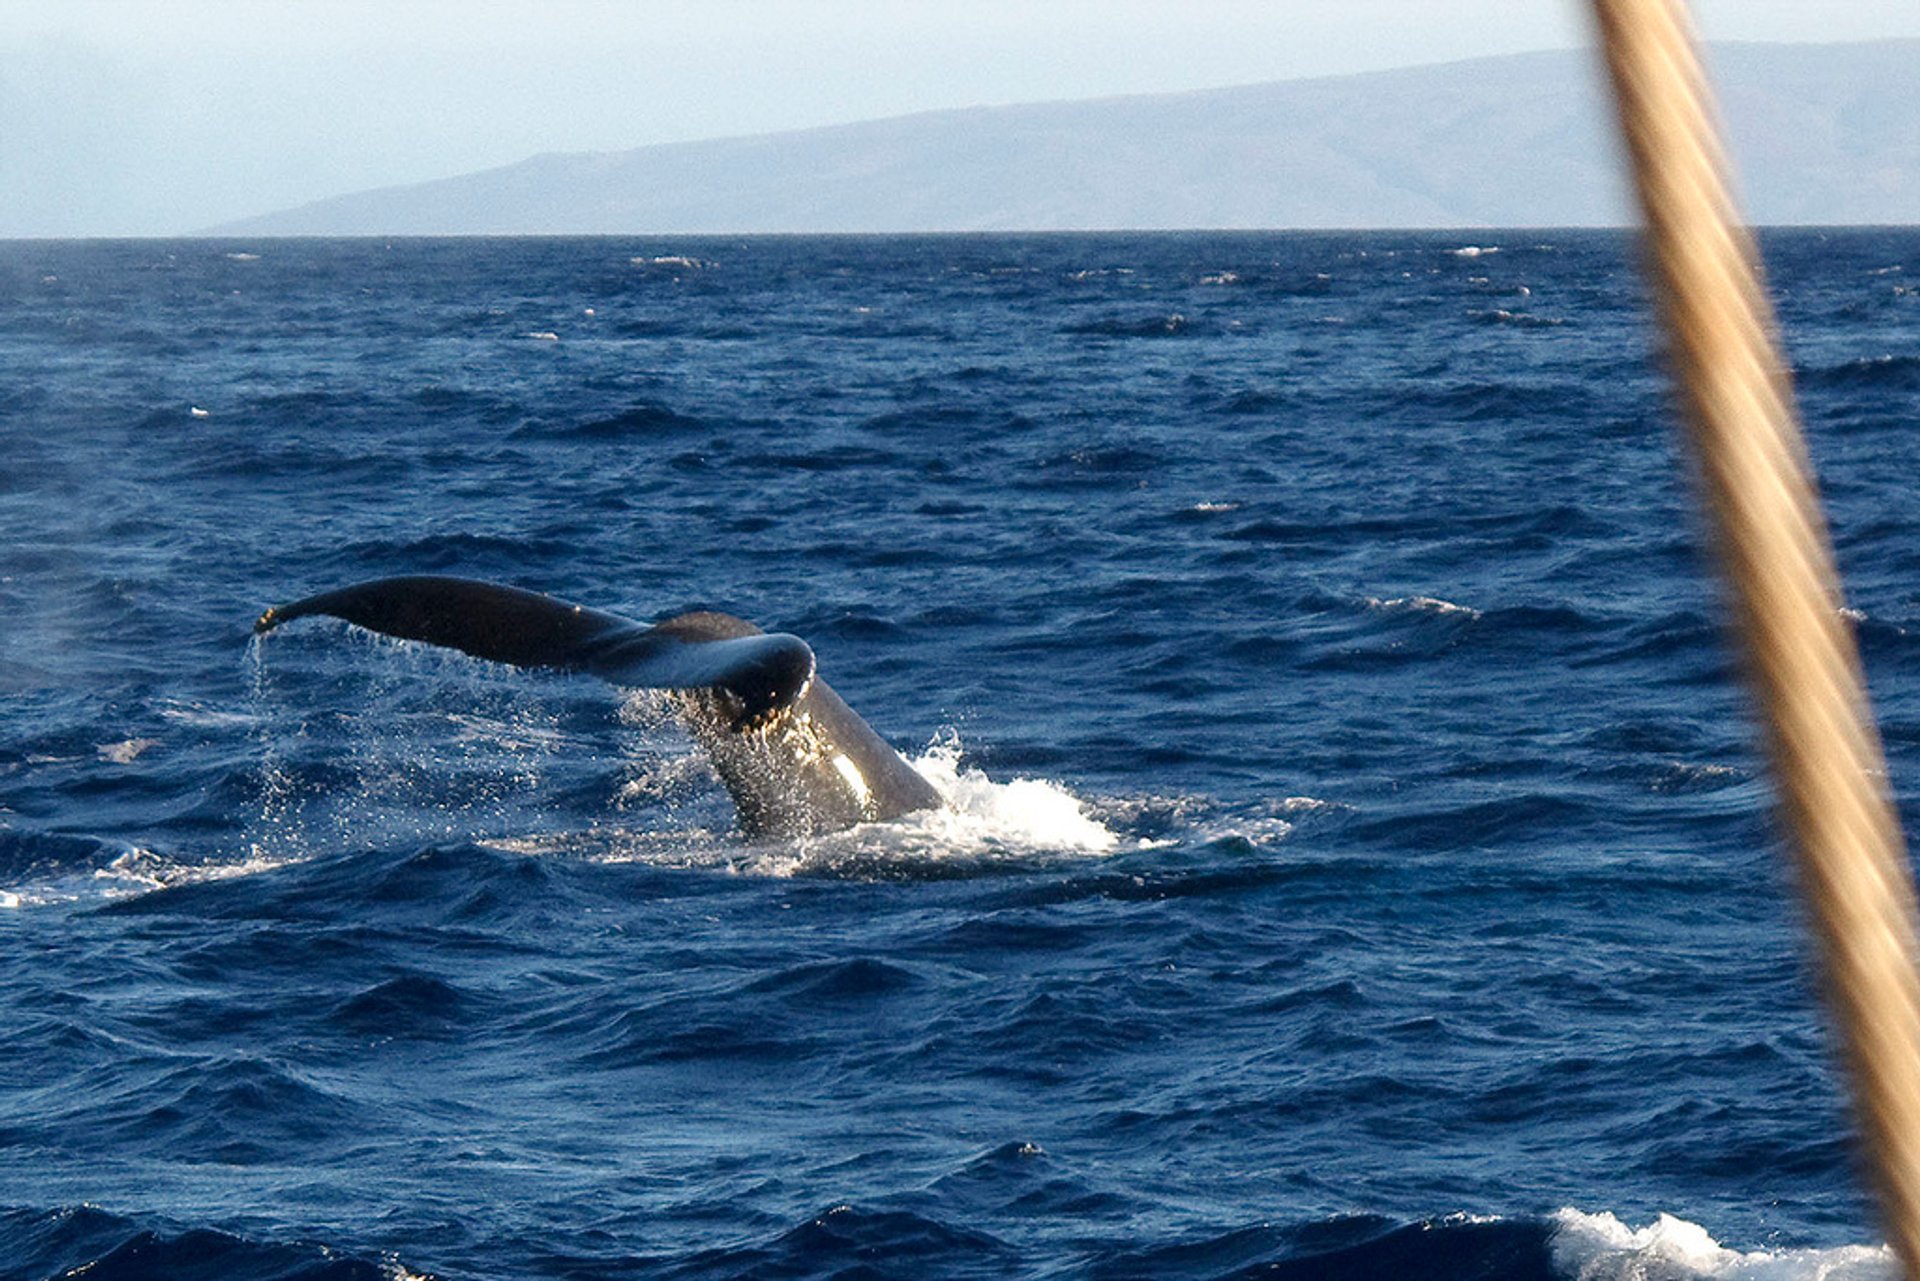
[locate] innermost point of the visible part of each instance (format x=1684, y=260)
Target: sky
x=156, y=117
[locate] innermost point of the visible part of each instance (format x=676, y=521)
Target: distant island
x=1824, y=134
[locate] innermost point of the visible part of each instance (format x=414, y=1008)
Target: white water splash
x=1599, y=1247
x=981, y=823
x=275, y=833
x=1025, y=813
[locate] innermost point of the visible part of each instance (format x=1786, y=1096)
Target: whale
x=795, y=758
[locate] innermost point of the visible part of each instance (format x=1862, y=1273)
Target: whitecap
x=1474, y=251
x=1268, y=823
x=1422, y=605
x=195, y=714
x=1599, y=1247
x=139, y=870
x=1261, y=829
x=126, y=751
x=1312, y=805
x=134, y=870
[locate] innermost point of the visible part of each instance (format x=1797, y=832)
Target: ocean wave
x=670, y=262
x=125, y=751
x=1255, y=402
x=44, y=870
x=85, y=1240
x=1565, y=1246
x=1315, y=285
x=642, y=419
x=1356, y=1247
x=465, y=552
x=1519, y=319
x=845, y=1240
x=1600, y=1247
x=234, y=1109
x=411, y=1006
x=1173, y=324
x=945, y=1232
x=1876, y=373
x=1430, y=605
x=1480, y=401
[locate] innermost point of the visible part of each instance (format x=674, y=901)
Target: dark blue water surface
x=1357, y=862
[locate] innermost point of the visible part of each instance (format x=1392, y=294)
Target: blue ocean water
x=1356, y=862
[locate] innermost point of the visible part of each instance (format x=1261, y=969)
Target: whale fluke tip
x=267, y=621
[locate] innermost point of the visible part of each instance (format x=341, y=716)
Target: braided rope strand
x=1776, y=556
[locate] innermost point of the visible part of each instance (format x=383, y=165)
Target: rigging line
x=1775, y=554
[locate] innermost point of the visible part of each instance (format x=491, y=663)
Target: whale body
x=795, y=758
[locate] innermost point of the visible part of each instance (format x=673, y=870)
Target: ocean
x=1355, y=859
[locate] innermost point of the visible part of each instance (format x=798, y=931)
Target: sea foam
x=1599, y=1247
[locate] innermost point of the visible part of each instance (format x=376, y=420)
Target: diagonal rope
x=1775, y=554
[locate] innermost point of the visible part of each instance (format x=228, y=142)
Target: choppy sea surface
x=1356, y=862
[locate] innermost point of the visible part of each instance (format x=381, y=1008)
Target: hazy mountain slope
x=1824, y=133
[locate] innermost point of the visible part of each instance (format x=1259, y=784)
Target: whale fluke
x=796, y=759
x=766, y=672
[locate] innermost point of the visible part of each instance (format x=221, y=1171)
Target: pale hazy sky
x=160, y=116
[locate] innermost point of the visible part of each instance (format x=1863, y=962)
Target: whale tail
x=796, y=759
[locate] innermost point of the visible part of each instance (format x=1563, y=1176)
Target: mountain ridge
x=1823, y=134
